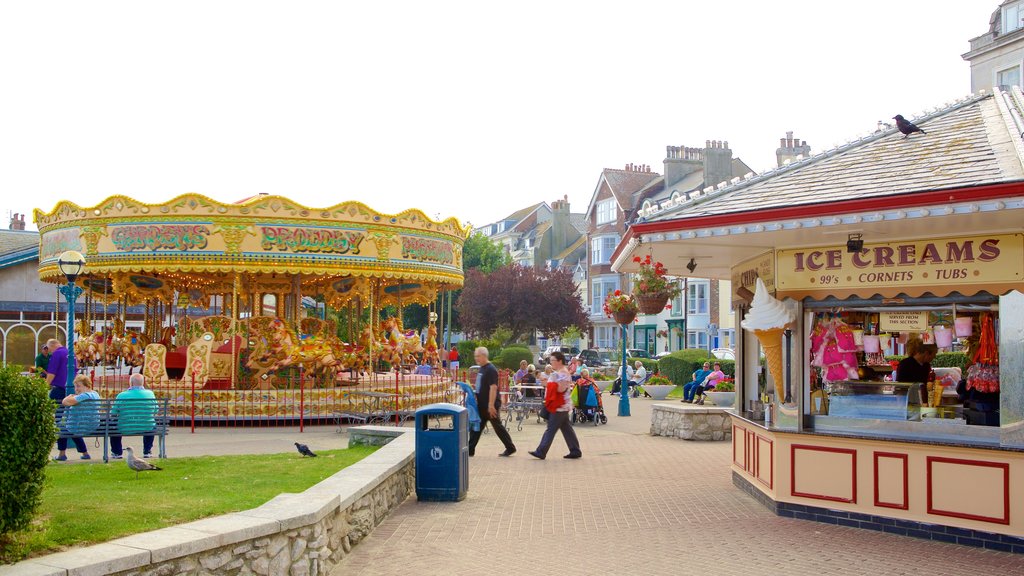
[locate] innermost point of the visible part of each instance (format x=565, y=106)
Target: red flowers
x=618, y=292
x=651, y=279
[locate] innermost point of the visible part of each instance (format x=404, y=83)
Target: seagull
x=304, y=450
x=138, y=464
x=906, y=126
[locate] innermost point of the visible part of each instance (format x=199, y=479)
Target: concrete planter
x=723, y=399
x=659, y=391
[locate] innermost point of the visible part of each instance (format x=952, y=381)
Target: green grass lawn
x=89, y=503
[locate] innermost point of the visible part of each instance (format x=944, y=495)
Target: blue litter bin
x=442, y=453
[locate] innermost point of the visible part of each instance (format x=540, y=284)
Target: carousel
x=251, y=303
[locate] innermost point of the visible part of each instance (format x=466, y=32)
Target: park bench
x=107, y=425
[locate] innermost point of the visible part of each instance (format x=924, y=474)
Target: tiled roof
x=18, y=246
x=582, y=240
x=967, y=143
x=523, y=213
x=579, y=222
x=625, y=184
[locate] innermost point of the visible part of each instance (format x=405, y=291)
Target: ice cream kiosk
x=880, y=288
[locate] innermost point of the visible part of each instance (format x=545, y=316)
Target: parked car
x=724, y=353
x=637, y=353
x=595, y=358
x=569, y=352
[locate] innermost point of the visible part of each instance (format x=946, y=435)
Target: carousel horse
x=404, y=346
x=430, y=355
x=131, y=349
x=167, y=338
x=273, y=346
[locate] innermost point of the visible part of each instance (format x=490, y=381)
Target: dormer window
x=605, y=211
x=1013, y=17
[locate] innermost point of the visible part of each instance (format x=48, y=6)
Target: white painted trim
x=888, y=216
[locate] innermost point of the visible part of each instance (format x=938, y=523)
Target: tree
x=482, y=253
x=478, y=253
x=521, y=299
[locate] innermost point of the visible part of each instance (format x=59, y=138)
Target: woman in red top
x=558, y=402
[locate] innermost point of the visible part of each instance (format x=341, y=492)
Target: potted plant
x=652, y=287
x=658, y=387
x=622, y=307
x=724, y=394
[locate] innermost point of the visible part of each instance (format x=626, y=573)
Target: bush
x=466, y=348
x=26, y=436
x=649, y=363
x=679, y=366
x=944, y=360
x=659, y=380
x=726, y=386
x=511, y=357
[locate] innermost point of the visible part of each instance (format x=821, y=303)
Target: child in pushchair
x=588, y=406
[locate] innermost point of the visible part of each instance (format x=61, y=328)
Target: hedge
x=27, y=434
x=679, y=366
x=649, y=363
x=943, y=360
x=511, y=357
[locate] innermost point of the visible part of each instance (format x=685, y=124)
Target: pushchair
x=588, y=406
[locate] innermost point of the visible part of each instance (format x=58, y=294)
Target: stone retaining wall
x=303, y=534
x=690, y=422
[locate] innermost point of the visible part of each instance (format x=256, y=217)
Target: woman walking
x=557, y=401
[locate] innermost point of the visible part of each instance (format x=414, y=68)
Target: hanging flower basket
x=652, y=287
x=652, y=303
x=624, y=316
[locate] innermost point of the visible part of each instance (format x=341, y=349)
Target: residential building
x=539, y=233
x=621, y=197
x=997, y=56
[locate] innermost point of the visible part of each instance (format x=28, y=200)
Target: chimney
x=681, y=161
x=17, y=221
x=562, y=233
x=790, y=148
x=717, y=162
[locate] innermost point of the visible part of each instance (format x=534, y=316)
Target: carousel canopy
x=195, y=244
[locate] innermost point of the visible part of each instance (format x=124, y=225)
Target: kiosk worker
x=918, y=365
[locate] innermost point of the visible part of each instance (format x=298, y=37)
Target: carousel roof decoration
x=193, y=244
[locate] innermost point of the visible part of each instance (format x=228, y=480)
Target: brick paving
x=634, y=504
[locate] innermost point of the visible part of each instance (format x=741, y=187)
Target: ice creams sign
x=768, y=319
x=997, y=258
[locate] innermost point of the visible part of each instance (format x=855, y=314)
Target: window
x=1013, y=14
x=601, y=249
x=606, y=211
x=606, y=337
x=696, y=339
x=677, y=303
x=697, y=298
x=602, y=287
x=1009, y=77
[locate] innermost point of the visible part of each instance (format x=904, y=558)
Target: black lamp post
x=71, y=264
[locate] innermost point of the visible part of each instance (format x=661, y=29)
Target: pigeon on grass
x=138, y=464
x=304, y=450
x=906, y=126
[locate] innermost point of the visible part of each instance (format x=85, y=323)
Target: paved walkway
x=634, y=504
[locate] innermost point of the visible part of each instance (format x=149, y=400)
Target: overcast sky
x=466, y=109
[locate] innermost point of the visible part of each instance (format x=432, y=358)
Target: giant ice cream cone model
x=768, y=319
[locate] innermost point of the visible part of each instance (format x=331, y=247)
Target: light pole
x=71, y=264
x=624, y=387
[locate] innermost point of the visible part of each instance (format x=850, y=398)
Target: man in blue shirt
x=57, y=369
x=699, y=376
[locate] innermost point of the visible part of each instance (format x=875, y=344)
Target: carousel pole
x=103, y=331
x=398, y=369
x=234, y=329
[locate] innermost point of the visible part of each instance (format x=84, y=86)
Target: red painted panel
x=906, y=481
x=736, y=461
x=1005, y=467
x=771, y=462
x=853, y=467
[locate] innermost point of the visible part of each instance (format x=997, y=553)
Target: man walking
x=57, y=369
x=488, y=401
